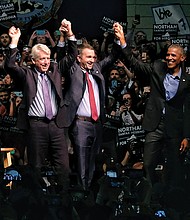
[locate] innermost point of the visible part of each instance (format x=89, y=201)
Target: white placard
x=171, y=14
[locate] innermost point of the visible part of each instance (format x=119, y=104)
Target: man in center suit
x=45, y=128
x=167, y=114
x=86, y=132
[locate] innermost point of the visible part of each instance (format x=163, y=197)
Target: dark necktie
x=47, y=100
x=92, y=99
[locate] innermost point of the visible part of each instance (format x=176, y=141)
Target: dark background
x=85, y=15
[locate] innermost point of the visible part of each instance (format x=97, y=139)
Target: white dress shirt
x=84, y=107
x=37, y=108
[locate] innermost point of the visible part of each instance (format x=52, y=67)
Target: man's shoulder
x=159, y=65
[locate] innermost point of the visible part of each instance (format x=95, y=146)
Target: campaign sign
x=171, y=14
x=22, y=13
x=7, y=12
x=8, y=123
x=128, y=134
x=163, y=32
x=181, y=41
x=107, y=24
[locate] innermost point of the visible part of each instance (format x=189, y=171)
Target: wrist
x=13, y=45
x=12, y=99
x=70, y=34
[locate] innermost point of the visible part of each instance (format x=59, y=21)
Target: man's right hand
x=119, y=34
x=15, y=34
x=66, y=27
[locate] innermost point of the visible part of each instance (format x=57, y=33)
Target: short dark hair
x=85, y=46
x=177, y=46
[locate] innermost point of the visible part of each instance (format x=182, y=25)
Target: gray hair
x=37, y=48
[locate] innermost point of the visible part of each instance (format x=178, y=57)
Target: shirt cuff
x=72, y=38
x=61, y=44
x=12, y=46
x=123, y=46
x=119, y=43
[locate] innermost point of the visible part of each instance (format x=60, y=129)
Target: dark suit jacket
x=29, y=79
x=177, y=110
x=76, y=88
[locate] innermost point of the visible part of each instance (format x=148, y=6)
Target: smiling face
x=175, y=55
x=41, y=57
x=42, y=63
x=86, y=58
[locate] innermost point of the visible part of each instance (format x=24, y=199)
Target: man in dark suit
x=46, y=135
x=86, y=131
x=167, y=113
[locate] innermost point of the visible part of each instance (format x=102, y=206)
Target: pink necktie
x=92, y=99
x=47, y=100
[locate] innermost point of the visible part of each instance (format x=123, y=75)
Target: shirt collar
x=87, y=70
x=178, y=76
x=40, y=73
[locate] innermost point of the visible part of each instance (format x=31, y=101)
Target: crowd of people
x=69, y=96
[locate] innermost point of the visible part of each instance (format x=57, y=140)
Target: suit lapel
x=182, y=83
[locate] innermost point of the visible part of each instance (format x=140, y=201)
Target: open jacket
x=28, y=77
x=177, y=109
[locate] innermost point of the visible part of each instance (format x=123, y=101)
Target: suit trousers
x=47, y=141
x=87, y=140
x=158, y=145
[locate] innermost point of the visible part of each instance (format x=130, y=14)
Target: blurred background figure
x=26, y=56
x=4, y=42
x=4, y=100
x=8, y=82
x=126, y=112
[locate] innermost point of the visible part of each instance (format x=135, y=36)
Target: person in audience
x=113, y=84
x=3, y=109
x=4, y=42
x=56, y=35
x=4, y=100
x=2, y=59
x=15, y=101
x=126, y=112
x=9, y=82
x=26, y=56
x=43, y=37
